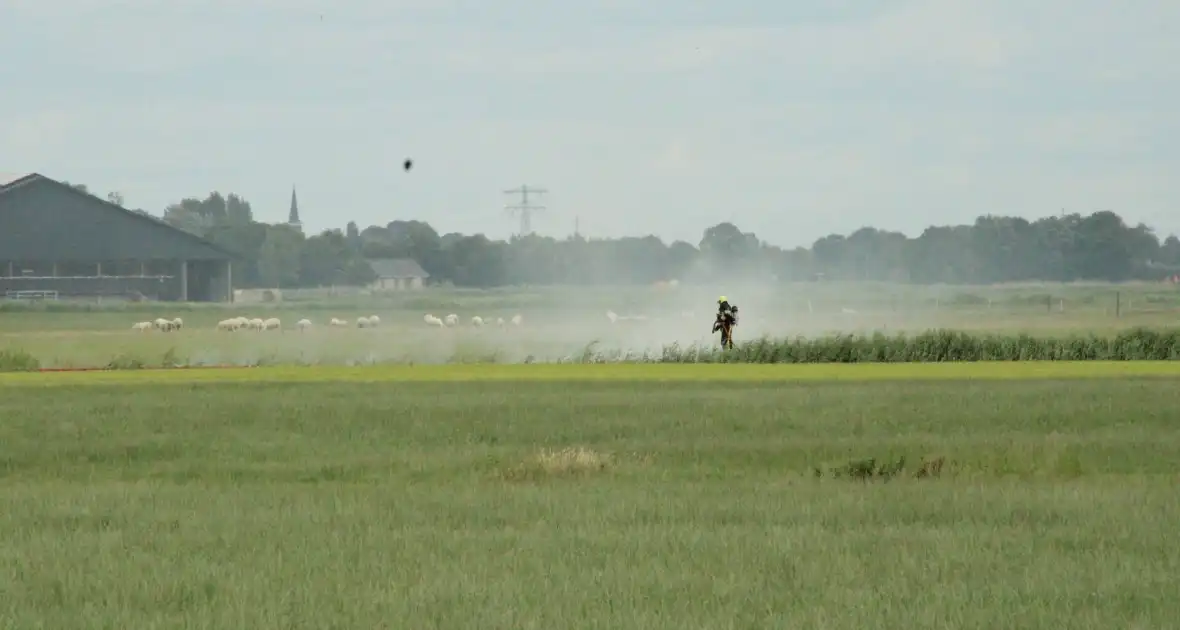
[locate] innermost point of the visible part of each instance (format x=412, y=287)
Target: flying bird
x=407, y=165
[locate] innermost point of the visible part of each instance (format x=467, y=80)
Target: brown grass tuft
x=577, y=461
x=930, y=468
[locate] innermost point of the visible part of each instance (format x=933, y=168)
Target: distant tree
x=994, y=248
x=279, y=258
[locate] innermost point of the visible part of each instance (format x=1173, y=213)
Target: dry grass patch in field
x=575, y=461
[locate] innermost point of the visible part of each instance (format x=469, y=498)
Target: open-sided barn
x=57, y=240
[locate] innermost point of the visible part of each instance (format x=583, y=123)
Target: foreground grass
x=685, y=505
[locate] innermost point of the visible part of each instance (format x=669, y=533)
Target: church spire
x=293, y=217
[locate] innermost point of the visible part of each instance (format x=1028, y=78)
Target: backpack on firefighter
x=727, y=318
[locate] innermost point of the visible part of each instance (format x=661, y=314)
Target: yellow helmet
x=721, y=299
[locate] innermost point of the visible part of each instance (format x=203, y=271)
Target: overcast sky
x=793, y=119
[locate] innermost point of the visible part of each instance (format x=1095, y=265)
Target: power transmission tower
x=524, y=208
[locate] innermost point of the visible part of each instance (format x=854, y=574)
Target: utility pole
x=524, y=208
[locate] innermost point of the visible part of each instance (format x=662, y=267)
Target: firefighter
x=725, y=321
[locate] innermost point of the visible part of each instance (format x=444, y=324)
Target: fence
x=133, y=287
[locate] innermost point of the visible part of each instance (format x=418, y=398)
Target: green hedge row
x=938, y=346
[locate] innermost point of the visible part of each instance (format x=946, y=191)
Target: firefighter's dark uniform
x=726, y=318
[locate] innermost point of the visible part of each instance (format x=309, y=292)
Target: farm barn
x=56, y=240
x=397, y=274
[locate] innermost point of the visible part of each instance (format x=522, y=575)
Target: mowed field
x=591, y=496
x=559, y=324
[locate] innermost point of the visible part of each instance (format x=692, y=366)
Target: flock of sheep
x=245, y=323
x=274, y=323
x=166, y=325
x=452, y=320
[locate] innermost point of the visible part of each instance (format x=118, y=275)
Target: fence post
x=1118, y=304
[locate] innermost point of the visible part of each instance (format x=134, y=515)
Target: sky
x=792, y=119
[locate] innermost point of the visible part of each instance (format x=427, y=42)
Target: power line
x=524, y=208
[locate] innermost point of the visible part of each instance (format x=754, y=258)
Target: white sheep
x=177, y=324
x=163, y=324
x=500, y=322
x=142, y=326
x=451, y=320
x=612, y=316
x=303, y=324
x=228, y=324
x=477, y=321
x=272, y=324
x=517, y=319
x=431, y=320
x=374, y=321
x=338, y=323
x=362, y=322
x=255, y=324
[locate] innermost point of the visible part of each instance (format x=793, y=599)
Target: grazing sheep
x=272, y=324
x=303, y=324
x=362, y=322
x=255, y=324
x=177, y=324
x=338, y=323
x=374, y=321
x=431, y=320
x=517, y=319
x=142, y=326
x=451, y=320
x=163, y=324
x=231, y=324
x=500, y=322
x=477, y=321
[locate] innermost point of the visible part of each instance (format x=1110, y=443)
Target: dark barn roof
x=44, y=219
x=399, y=268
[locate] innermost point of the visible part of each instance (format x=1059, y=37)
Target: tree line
x=993, y=249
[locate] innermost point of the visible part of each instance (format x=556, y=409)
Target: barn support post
x=10, y=269
x=184, y=281
x=229, y=281
x=142, y=269
x=98, y=269
x=53, y=272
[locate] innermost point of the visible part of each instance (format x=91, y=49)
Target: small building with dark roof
x=397, y=274
x=57, y=240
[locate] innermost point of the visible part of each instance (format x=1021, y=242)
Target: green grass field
x=590, y=496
